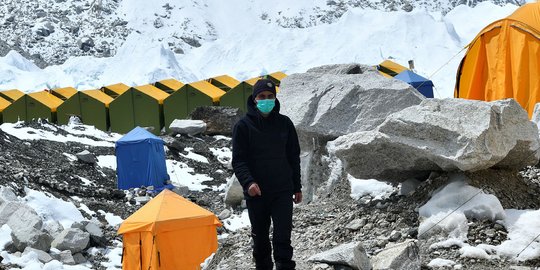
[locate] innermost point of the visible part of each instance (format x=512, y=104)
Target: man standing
x=266, y=161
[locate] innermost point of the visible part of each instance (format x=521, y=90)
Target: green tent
x=32, y=106
x=91, y=106
x=4, y=103
x=114, y=90
x=237, y=96
x=17, y=110
x=224, y=82
x=182, y=102
x=138, y=106
x=169, y=85
x=64, y=93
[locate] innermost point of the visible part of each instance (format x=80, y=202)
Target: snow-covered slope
x=193, y=40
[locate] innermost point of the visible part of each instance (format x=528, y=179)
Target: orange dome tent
x=169, y=232
x=503, y=61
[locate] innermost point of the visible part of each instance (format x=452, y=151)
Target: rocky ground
x=318, y=226
x=322, y=225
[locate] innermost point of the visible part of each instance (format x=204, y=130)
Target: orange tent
x=169, y=232
x=503, y=61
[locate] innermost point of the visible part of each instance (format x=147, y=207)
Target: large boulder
x=330, y=101
x=24, y=217
x=219, y=120
x=442, y=135
x=71, y=239
x=31, y=237
x=336, y=100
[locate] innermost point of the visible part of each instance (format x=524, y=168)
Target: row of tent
x=120, y=108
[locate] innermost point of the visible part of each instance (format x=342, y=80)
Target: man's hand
x=297, y=197
x=254, y=190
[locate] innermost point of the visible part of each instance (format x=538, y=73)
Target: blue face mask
x=266, y=105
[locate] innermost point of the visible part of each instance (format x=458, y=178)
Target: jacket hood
x=252, y=108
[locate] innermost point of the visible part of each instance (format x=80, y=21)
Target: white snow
x=107, y=161
x=235, y=221
x=112, y=219
x=523, y=226
x=27, y=133
x=51, y=208
x=236, y=41
x=223, y=155
x=449, y=208
x=374, y=188
x=472, y=202
x=194, y=156
x=5, y=235
x=438, y=262
x=181, y=174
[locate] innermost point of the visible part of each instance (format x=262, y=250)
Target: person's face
x=265, y=95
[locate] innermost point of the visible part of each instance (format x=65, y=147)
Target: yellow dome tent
x=503, y=61
x=169, y=232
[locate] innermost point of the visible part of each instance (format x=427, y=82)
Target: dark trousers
x=278, y=209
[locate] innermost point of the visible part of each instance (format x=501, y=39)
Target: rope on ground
x=437, y=223
x=534, y=239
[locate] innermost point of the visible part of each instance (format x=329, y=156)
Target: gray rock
x=394, y=236
x=350, y=254
x=408, y=186
x=330, y=101
x=43, y=256
x=77, y=225
x=67, y=258
x=85, y=43
x=402, y=256
x=97, y=237
x=7, y=209
x=225, y=214
x=25, y=217
x=31, y=237
x=181, y=190
x=188, y=127
x=71, y=239
x=234, y=194
x=79, y=258
x=219, y=120
x=336, y=100
x=442, y=135
x=7, y=195
x=53, y=227
x=356, y=224
x=86, y=157
x=536, y=115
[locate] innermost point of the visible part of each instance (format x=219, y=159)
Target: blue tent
x=140, y=160
x=423, y=85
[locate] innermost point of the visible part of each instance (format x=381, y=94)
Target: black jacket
x=266, y=151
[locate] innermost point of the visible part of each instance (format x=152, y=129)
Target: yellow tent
x=169, y=232
x=503, y=61
x=389, y=68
